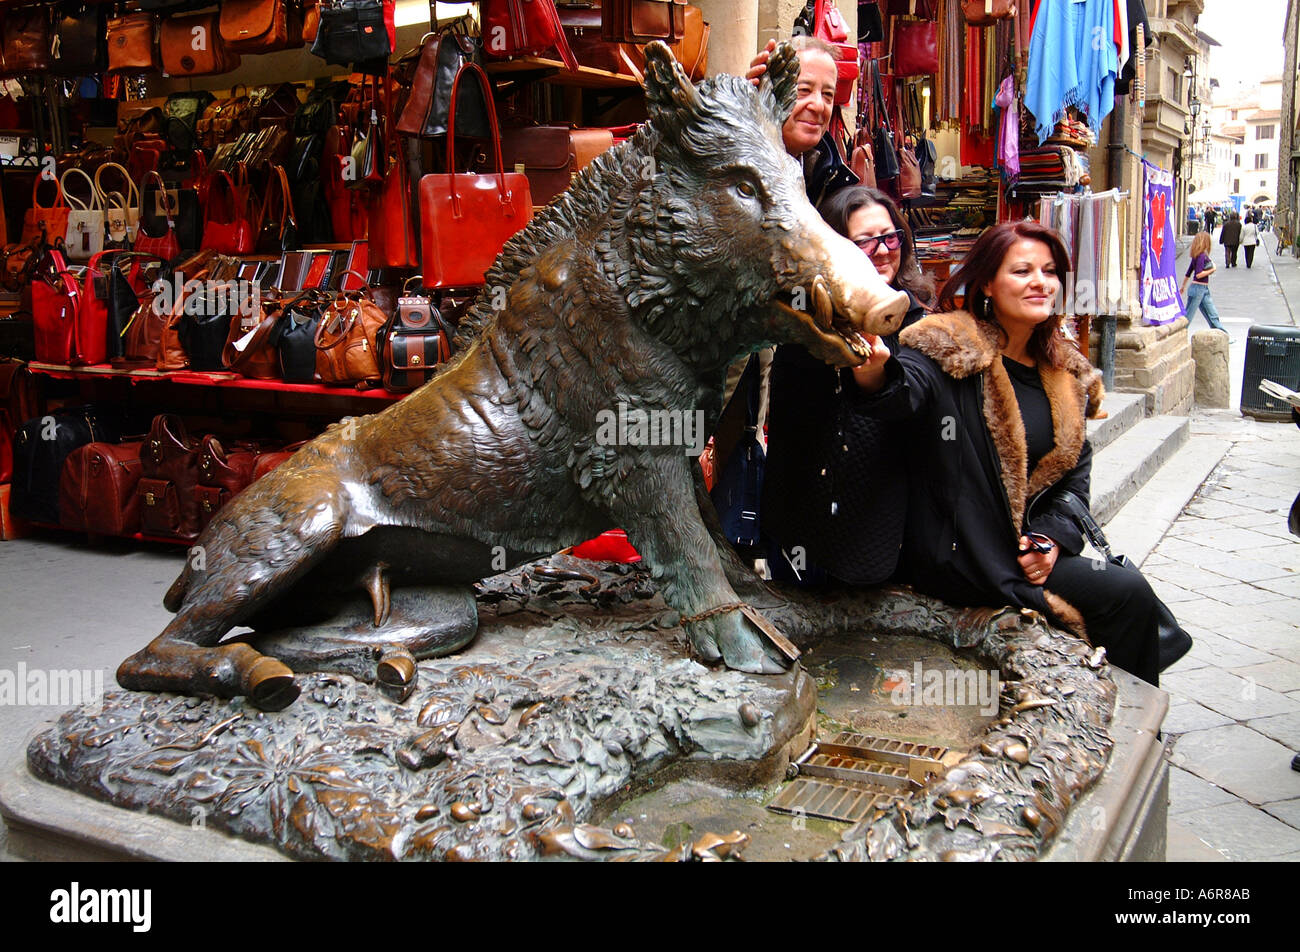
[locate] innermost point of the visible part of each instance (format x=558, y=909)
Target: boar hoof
x=270, y=685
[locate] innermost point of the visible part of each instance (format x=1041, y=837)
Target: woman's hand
x=758, y=65
x=1037, y=566
x=870, y=374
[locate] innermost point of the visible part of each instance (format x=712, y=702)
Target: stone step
x=1126, y=463
x=1125, y=410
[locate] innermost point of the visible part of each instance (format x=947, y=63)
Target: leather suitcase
x=97, y=491
x=40, y=449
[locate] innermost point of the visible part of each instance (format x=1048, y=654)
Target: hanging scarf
x=1009, y=131
x=1066, y=68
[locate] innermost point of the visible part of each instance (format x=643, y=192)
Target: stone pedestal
x=1156, y=362
x=1210, y=352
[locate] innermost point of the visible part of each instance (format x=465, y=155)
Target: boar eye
x=747, y=189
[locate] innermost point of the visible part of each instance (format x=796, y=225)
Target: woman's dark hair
x=981, y=266
x=839, y=207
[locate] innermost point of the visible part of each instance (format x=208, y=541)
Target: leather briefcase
x=180, y=58
x=97, y=489
x=131, y=47
x=169, y=473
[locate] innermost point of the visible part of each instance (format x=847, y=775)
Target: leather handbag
x=102, y=295
x=871, y=27
x=861, y=162
x=250, y=349
x=45, y=224
x=80, y=47
x=39, y=459
x=883, y=151
x=916, y=48
x=927, y=156
x=426, y=109
x=161, y=214
x=691, y=51
x=228, y=226
x=295, y=339
x=131, y=47
x=203, y=326
x=552, y=155
x=987, y=12
x=27, y=40
x=18, y=403
x=84, y=237
x=412, y=344
x=260, y=26
x=908, y=185
x=393, y=228
x=357, y=32
x=524, y=28
x=169, y=472
x=225, y=120
x=121, y=206
x=193, y=46
x=279, y=232
x=98, y=489
x=347, y=335
x=142, y=336
x=640, y=21
x=223, y=474
x=1173, y=640
x=56, y=307
x=348, y=215
x=829, y=25
x=146, y=153
x=466, y=217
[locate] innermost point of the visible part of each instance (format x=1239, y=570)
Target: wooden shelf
x=229, y=381
x=555, y=71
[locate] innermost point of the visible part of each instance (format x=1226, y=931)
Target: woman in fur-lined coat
x=995, y=401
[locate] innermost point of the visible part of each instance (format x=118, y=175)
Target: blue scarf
x=1072, y=62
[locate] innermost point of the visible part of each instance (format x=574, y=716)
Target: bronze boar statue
x=670, y=257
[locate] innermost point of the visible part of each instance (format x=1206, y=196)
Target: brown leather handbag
x=131, y=47
x=98, y=489
x=222, y=474
x=27, y=40
x=640, y=21
x=552, y=155
x=987, y=12
x=168, y=475
x=176, y=43
x=250, y=350
x=260, y=26
x=691, y=50
x=224, y=120
x=347, y=341
x=413, y=343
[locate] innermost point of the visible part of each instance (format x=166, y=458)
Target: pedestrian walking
x=1249, y=239
x=1230, y=238
x=1210, y=218
x=1198, y=273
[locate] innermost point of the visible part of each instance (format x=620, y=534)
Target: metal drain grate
x=850, y=775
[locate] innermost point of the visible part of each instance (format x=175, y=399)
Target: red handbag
x=166, y=246
x=466, y=217
x=42, y=223
x=916, y=48
x=392, y=222
x=829, y=25
x=56, y=304
x=524, y=28
x=229, y=228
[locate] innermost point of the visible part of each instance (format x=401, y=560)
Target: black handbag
x=454, y=51
x=80, y=44
x=352, y=31
x=296, y=340
x=182, y=111
x=205, y=325
x=739, y=488
x=927, y=156
x=413, y=343
x=884, y=153
x=121, y=304
x=186, y=216
x=1174, y=641
x=871, y=28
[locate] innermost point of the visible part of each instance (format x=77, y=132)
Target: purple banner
x=1158, y=271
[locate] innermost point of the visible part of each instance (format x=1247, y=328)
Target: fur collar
x=962, y=347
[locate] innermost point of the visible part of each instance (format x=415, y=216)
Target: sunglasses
x=892, y=240
x=1038, y=543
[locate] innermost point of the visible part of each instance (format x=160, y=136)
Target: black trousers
x=1250, y=254
x=1230, y=256
x=1118, y=608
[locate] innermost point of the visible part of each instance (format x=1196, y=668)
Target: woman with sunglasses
x=994, y=399
x=834, y=490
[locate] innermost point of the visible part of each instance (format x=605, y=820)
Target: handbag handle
x=96, y=202
x=506, y=196
x=59, y=200
x=162, y=189
x=131, y=189
x=279, y=182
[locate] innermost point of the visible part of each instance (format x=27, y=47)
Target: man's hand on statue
x=870, y=374
x=758, y=65
x=1037, y=566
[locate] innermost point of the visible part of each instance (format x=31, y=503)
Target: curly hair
x=981, y=266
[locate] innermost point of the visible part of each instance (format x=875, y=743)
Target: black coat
x=1231, y=233
x=969, y=496
x=825, y=172
x=834, y=482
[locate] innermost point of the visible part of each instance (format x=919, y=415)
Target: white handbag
x=121, y=207
x=85, y=235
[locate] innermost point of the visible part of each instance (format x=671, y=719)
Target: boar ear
x=781, y=81
x=669, y=93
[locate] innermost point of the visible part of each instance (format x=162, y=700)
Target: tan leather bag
x=987, y=12
x=347, y=341
x=188, y=52
x=131, y=47
x=260, y=26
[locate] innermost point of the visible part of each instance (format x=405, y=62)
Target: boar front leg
x=656, y=507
